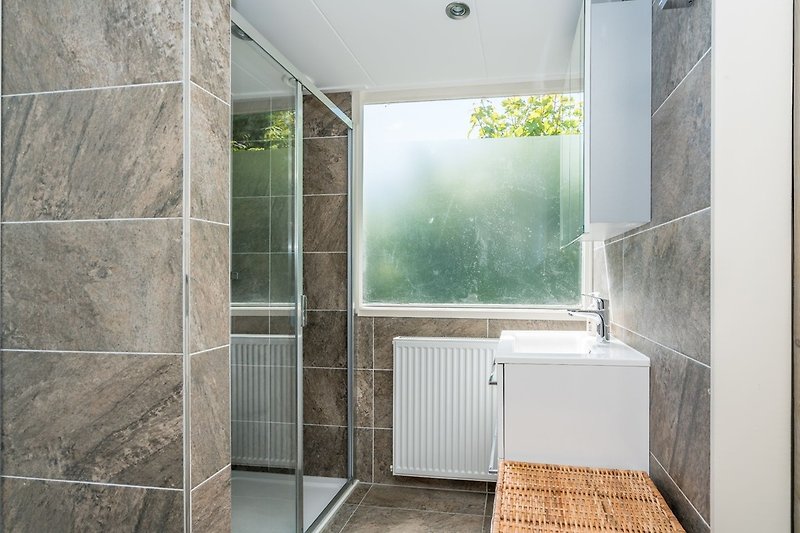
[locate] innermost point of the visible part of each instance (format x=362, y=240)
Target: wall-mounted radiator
x=444, y=408
x=263, y=396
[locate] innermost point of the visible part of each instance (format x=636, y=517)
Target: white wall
x=751, y=266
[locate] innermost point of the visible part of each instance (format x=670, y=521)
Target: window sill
x=481, y=312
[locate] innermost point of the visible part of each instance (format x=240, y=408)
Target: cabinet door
x=578, y=415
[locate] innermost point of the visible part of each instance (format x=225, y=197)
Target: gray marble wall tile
x=250, y=224
x=496, y=326
x=363, y=342
x=211, y=504
x=282, y=325
x=325, y=396
x=681, y=168
x=78, y=155
x=325, y=223
x=210, y=157
x=252, y=278
x=75, y=44
x=250, y=171
x=325, y=166
x=210, y=396
x=384, y=390
x=680, y=38
x=680, y=419
x=363, y=466
x=667, y=285
x=93, y=417
x=325, y=451
x=691, y=521
x=325, y=339
x=325, y=278
x=608, y=278
x=209, y=287
x=37, y=506
x=319, y=121
x=363, y=396
x=386, y=329
x=97, y=286
x=211, y=46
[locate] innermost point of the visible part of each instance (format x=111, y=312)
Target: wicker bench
x=560, y=499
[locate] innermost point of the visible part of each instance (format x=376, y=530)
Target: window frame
x=487, y=311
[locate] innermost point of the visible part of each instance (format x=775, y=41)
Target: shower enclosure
x=292, y=324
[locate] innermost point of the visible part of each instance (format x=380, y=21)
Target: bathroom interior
x=352, y=266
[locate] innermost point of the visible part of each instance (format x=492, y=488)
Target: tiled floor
x=385, y=508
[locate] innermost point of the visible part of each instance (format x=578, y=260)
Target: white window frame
x=496, y=311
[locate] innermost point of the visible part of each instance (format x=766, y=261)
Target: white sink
x=564, y=347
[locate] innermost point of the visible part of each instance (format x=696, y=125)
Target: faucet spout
x=595, y=315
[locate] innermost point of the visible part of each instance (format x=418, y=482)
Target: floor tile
x=444, y=501
x=385, y=520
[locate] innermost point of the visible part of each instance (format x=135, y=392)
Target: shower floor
x=264, y=502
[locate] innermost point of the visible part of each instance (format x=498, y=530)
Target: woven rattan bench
x=564, y=499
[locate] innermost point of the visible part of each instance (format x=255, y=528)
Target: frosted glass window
x=451, y=218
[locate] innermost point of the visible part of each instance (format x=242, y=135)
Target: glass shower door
x=266, y=282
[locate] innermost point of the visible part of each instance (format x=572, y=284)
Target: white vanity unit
x=566, y=399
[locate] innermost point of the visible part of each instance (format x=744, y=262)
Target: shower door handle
x=304, y=311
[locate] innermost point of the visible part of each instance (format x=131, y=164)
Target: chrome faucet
x=599, y=315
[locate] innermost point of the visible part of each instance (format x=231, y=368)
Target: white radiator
x=444, y=408
x=263, y=397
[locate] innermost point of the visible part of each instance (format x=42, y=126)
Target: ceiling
x=378, y=45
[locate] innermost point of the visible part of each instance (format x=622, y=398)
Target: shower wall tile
x=363, y=342
x=78, y=155
x=363, y=466
x=209, y=287
x=325, y=339
x=211, y=46
x=680, y=420
x=36, y=506
x=211, y=504
x=325, y=166
x=210, y=156
x=326, y=403
x=97, y=286
x=210, y=413
x=681, y=171
x=363, y=398
x=496, y=326
x=75, y=44
x=93, y=417
x=387, y=329
x=607, y=266
x=325, y=223
x=667, y=282
x=281, y=213
x=249, y=325
x=325, y=278
x=680, y=38
x=325, y=451
x=384, y=390
x=319, y=121
x=250, y=173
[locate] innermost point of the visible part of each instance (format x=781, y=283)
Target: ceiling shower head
x=239, y=33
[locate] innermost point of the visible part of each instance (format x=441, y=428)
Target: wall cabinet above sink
x=614, y=195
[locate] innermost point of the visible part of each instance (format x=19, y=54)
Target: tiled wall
x=374, y=379
x=658, y=276
x=325, y=278
x=100, y=222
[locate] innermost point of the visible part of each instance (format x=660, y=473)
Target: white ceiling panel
x=301, y=33
x=408, y=43
x=529, y=40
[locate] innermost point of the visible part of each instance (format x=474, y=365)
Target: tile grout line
x=676, y=352
x=423, y=510
x=98, y=483
x=85, y=220
x=89, y=89
x=88, y=352
x=682, y=81
x=195, y=84
x=680, y=490
x=216, y=348
x=212, y=476
x=195, y=219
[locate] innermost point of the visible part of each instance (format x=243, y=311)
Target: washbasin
x=564, y=347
